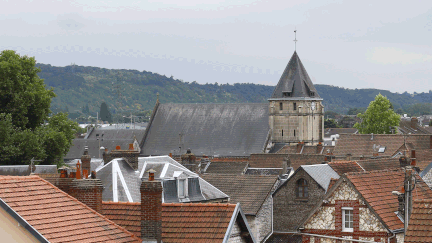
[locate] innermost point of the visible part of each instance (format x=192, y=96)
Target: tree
x=355, y=111
x=105, y=114
x=379, y=117
x=330, y=123
x=26, y=130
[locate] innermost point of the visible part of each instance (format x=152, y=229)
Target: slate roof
x=248, y=190
x=266, y=171
x=122, y=183
x=24, y=170
x=227, y=168
x=376, y=188
x=57, y=216
x=181, y=222
x=295, y=80
x=305, y=149
x=342, y=167
x=94, y=163
x=328, y=132
x=420, y=223
x=264, y=160
x=111, y=138
x=362, y=144
x=322, y=174
x=210, y=129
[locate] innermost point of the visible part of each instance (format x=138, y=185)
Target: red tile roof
x=420, y=224
x=376, y=188
x=342, y=167
x=181, y=222
x=56, y=215
x=424, y=158
x=362, y=144
x=277, y=160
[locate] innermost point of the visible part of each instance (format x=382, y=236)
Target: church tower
x=296, y=112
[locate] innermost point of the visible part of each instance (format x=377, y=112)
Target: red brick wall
x=89, y=192
x=151, y=210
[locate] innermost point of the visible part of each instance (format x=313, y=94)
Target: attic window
x=182, y=188
x=381, y=149
x=286, y=94
x=312, y=93
x=302, y=189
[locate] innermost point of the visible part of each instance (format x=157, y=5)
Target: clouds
x=354, y=44
x=390, y=55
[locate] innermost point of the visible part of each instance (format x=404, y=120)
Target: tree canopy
x=105, y=114
x=379, y=118
x=26, y=128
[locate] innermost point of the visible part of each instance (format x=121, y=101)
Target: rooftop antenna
x=295, y=39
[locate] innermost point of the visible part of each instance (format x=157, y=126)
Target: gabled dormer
x=182, y=184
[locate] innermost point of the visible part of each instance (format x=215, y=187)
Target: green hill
x=132, y=90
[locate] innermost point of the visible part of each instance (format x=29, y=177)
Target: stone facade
x=296, y=122
x=235, y=236
x=288, y=210
x=328, y=219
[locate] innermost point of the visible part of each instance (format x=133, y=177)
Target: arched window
x=302, y=188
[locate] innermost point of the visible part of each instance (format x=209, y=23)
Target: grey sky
x=352, y=44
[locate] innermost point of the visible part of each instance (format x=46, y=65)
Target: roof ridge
x=120, y=203
x=374, y=172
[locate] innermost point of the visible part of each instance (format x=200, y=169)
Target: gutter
x=329, y=237
x=22, y=222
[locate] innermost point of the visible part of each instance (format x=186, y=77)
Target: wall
x=235, y=236
x=260, y=224
x=306, y=126
x=328, y=218
x=10, y=231
x=288, y=210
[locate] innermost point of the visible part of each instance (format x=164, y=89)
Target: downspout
x=388, y=239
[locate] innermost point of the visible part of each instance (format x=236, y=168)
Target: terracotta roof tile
x=56, y=215
x=181, y=222
x=420, y=224
x=362, y=144
x=342, y=167
x=376, y=188
x=277, y=160
x=248, y=190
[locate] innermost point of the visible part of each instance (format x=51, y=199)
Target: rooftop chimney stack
x=89, y=192
x=319, y=148
x=414, y=122
x=151, y=209
x=85, y=160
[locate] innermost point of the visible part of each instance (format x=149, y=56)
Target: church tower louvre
x=296, y=113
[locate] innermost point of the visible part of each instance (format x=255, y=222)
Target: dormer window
x=182, y=184
x=312, y=93
x=286, y=94
x=181, y=188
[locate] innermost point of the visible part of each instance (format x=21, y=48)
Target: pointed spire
x=295, y=82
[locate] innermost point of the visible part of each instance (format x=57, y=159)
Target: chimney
x=299, y=147
x=188, y=157
x=319, y=148
x=85, y=161
x=151, y=209
x=130, y=155
x=414, y=122
x=89, y=192
x=413, y=158
x=131, y=146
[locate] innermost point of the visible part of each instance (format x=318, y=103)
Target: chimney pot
x=78, y=170
x=151, y=174
x=118, y=147
x=131, y=146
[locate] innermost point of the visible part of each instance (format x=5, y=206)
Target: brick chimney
x=151, y=209
x=414, y=122
x=319, y=148
x=89, y=192
x=85, y=161
x=130, y=155
x=188, y=157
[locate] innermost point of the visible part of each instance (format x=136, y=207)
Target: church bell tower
x=296, y=113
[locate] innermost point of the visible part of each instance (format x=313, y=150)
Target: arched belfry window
x=302, y=188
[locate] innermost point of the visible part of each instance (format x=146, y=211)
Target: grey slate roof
x=94, y=163
x=122, y=183
x=24, y=170
x=322, y=174
x=111, y=138
x=211, y=129
x=227, y=167
x=296, y=81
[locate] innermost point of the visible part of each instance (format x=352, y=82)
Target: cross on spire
x=295, y=39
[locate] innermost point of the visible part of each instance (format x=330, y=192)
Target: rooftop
x=420, y=224
x=56, y=215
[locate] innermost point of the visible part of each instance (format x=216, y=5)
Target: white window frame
x=185, y=187
x=344, y=209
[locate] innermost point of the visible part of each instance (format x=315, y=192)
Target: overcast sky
x=351, y=44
